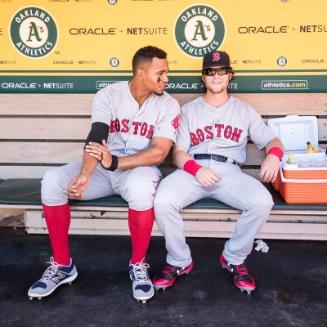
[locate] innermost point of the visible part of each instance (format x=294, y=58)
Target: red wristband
x=191, y=167
x=278, y=152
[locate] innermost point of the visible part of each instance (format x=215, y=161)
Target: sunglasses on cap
x=213, y=71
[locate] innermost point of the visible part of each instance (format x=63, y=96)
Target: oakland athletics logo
x=33, y=32
x=199, y=29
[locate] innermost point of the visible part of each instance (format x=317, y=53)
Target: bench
x=40, y=131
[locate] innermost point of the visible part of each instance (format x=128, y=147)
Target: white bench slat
x=193, y=227
x=80, y=104
x=39, y=152
x=56, y=152
x=44, y=128
x=74, y=128
x=279, y=104
x=288, y=103
x=46, y=104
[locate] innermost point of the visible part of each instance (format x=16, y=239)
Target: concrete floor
x=291, y=286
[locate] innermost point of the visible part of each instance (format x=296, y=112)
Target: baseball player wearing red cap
x=133, y=128
x=210, y=147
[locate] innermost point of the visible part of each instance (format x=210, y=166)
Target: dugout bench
x=41, y=131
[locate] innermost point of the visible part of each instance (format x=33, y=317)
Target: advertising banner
x=76, y=46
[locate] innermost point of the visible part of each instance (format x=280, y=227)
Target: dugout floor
x=291, y=278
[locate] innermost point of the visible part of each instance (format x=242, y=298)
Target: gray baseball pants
x=137, y=186
x=235, y=188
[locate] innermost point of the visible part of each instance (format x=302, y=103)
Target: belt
x=216, y=157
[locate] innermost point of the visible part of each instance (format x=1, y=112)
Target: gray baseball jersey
x=223, y=131
x=131, y=127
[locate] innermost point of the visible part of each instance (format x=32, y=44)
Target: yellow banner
x=102, y=35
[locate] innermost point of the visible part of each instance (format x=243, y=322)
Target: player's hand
x=100, y=152
x=269, y=168
x=207, y=177
x=78, y=186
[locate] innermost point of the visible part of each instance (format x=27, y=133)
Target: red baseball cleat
x=242, y=278
x=169, y=274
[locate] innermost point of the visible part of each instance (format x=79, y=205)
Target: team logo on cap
x=33, y=32
x=215, y=56
x=199, y=29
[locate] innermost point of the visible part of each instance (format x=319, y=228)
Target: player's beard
x=216, y=90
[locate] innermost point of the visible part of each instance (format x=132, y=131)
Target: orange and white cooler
x=303, y=176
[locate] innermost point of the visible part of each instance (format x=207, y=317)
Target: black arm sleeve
x=99, y=132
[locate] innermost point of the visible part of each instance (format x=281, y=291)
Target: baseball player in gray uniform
x=134, y=124
x=210, y=147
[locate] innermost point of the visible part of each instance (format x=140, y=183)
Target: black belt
x=216, y=157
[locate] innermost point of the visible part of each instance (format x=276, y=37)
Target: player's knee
x=52, y=190
x=141, y=197
x=263, y=202
x=165, y=202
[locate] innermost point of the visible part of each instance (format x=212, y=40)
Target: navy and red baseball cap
x=216, y=58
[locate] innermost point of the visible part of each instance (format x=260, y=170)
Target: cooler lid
x=295, y=131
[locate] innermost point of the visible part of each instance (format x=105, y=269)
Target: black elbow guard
x=99, y=132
